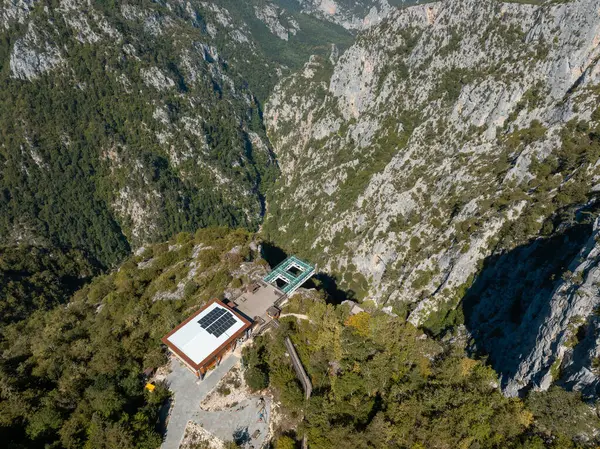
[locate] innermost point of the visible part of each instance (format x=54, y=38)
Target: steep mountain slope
x=353, y=14
x=38, y=279
x=125, y=123
x=535, y=311
x=450, y=132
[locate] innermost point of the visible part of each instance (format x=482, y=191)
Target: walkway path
x=300, y=372
x=300, y=316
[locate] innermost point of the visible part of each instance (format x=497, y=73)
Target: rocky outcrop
x=566, y=325
x=154, y=77
x=355, y=15
x=12, y=11
x=439, y=139
x=272, y=17
x=533, y=310
x=34, y=55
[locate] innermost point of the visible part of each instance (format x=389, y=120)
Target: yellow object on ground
x=150, y=387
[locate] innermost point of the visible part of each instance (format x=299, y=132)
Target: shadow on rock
x=510, y=299
x=241, y=436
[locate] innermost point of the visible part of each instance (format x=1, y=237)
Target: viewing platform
x=202, y=340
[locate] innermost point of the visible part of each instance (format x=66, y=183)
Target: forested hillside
x=128, y=122
x=72, y=376
x=381, y=383
x=33, y=278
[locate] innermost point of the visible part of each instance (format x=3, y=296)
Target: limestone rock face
x=567, y=344
x=15, y=11
x=356, y=15
x=276, y=20
x=534, y=310
x=154, y=77
x=32, y=55
x=437, y=141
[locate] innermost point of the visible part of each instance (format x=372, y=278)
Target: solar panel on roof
x=222, y=324
x=211, y=317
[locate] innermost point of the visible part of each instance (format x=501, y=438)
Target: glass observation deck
x=289, y=275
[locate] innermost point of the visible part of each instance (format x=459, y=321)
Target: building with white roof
x=201, y=341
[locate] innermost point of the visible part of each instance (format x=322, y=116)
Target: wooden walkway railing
x=304, y=380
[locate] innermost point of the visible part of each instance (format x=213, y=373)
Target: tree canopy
x=378, y=382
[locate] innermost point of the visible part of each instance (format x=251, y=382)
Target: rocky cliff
x=354, y=15
x=447, y=135
x=534, y=310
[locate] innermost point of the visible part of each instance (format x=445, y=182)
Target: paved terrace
x=188, y=393
x=255, y=304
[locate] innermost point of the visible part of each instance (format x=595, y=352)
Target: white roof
x=195, y=342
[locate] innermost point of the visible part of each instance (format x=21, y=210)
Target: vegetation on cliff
x=378, y=382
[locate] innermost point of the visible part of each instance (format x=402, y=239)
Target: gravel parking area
x=240, y=423
x=245, y=419
x=188, y=392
